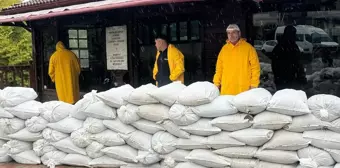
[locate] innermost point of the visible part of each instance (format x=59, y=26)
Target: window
x=176, y=31
x=78, y=44
x=317, y=68
x=173, y=32
x=195, y=30
x=183, y=31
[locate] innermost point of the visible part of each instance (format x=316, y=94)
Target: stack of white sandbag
x=174, y=126
x=18, y=116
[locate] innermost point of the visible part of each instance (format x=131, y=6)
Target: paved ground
x=15, y=165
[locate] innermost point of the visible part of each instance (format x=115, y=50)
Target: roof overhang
x=83, y=8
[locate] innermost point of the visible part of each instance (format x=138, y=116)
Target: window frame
x=79, y=48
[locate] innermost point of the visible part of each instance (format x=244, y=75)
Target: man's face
x=159, y=43
x=233, y=36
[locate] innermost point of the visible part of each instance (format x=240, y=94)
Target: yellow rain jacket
x=237, y=68
x=176, y=64
x=64, y=70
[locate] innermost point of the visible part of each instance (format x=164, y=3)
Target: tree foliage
x=15, y=42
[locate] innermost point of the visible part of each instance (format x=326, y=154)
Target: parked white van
x=310, y=38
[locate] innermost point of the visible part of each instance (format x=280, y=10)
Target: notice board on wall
x=116, y=48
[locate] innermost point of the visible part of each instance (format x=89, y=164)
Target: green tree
x=15, y=42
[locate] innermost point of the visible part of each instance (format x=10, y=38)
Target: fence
x=16, y=76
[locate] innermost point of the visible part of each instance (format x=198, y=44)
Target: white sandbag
x=12, y=96
x=148, y=157
x=271, y=121
x=323, y=138
x=25, y=135
x=274, y=165
x=243, y=152
x=76, y=160
x=337, y=165
x=173, y=129
x=194, y=142
x=117, y=126
x=243, y=163
x=2, y=142
x=41, y=147
x=4, y=157
x=36, y=124
x=147, y=126
x=198, y=93
x=168, y=163
x=128, y=114
x=334, y=125
x=325, y=107
x=138, y=140
x=79, y=108
x=114, y=96
x=222, y=140
x=124, y=153
x=207, y=158
x=54, y=111
x=26, y=157
x=307, y=163
x=334, y=153
x=253, y=137
x=283, y=157
x=108, y=138
x=94, y=125
x=132, y=165
x=202, y=127
x=66, y=125
x=321, y=157
x=306, y=122
x=5, y=114
x=66, y=145
x=289, y=102
x=221, y=106
x=16, y=146
x=53, y=135
x=11, y=125
x=168, y=94
x=188, y=165
x=233, y=122
x=100, y=110
x=154, y=112
x=284, y=140
x=53, y=158
x=3, y=135
x=94, y=150
x=106, y=162
x=140, y=96
x=81, y=138
x=25, y=110
x=252, y=101
x=177, y=155
x=182, y=115
x=163, y=142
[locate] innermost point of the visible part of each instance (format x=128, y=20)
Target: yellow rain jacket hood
x=176, y=64
x=64, y=70
x=237, y=68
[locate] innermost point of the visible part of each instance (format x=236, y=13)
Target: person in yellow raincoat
x=64, y=70
x=237, y=67
x=169, y=64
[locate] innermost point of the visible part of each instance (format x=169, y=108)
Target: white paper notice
x=116, y=48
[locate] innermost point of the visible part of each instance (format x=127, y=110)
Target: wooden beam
x=17, y=24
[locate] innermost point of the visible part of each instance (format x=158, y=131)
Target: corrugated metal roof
x=30, y=3
x=83, y=8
